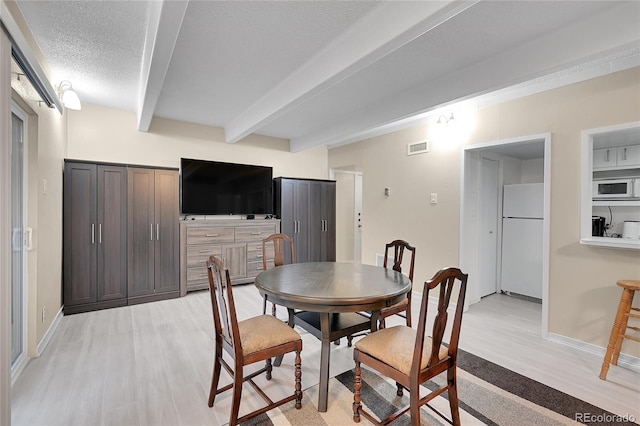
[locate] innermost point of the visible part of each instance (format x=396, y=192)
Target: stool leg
x=617, y=332
x=623, y=327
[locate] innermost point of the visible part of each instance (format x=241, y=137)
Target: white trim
x=625, y=361
x=19, y=367
x=50, y=332
x=465, y=151
x=5, y=227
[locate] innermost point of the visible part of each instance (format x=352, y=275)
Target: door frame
x=469, y=223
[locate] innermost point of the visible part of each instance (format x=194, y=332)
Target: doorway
x=349, y=220
x=486, y=169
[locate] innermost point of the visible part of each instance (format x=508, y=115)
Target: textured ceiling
x=321, y=72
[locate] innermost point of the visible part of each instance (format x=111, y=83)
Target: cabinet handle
x=93, y=233
x=211, y=235
x=157, y=231
x=624, y=154
x=258, y=256
x=100, y=233
x=151, y=232
x=256, y=233
x=607, y=156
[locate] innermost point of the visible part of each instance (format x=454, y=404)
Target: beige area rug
x=489, y=395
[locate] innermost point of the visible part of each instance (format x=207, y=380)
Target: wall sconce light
x=443, y=120
x=68, y=96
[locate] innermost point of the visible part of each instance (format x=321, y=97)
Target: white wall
x=109, y=135
x=583, y=297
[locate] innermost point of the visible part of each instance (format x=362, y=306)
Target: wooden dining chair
x=252, y=340
x=411, y=358
x=403, y=307
x=398, y=247
x=280, y=242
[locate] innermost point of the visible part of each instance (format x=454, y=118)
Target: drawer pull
x=205, y=251
x=256, y=233
x=259, y=256
x=211, y=235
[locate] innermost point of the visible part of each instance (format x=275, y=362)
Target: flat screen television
x=216, y=188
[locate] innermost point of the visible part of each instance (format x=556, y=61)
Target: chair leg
x=216, y=375
x=298, y=372
x=237, y=394
x=625, y=303
x=409, y=315
x=349, y=341
x=453, y=395
x=273, y=309
x=414, y=408
x=400, y=390
x=269, y=368
x=357, y=393
x=264, y=305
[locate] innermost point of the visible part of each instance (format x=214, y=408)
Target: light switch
x=434, y=198
x=44, y=186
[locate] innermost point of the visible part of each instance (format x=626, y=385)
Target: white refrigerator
x=522, y=218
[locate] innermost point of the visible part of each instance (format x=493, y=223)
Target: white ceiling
x=321, y=72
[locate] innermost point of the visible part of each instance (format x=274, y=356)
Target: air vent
x=417, y=148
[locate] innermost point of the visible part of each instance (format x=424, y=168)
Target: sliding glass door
x=17, y=236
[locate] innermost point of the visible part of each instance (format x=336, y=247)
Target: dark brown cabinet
x=120, y=235
x=95, y=236
x=307, y=209
x=153, y=238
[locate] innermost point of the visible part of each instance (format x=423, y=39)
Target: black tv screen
x=213, y=187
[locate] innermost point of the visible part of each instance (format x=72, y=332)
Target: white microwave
x=616, y=189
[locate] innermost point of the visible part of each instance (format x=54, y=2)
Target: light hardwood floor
x=151, y=364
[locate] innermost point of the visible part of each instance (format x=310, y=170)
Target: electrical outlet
x=44, y=313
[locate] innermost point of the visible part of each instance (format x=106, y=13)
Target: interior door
x=489, y=202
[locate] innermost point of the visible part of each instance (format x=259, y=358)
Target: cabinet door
x=316, y=221
x=141, y=233
x=284, y=210
x=604, y=157
x=167, y=244
x=112, y=233
x=80, y=257
x=301, y=210
x=322, y=223
x=629, y=156
x=235, y=259
x=328, y=241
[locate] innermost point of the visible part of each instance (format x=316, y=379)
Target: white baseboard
x=22, y=362
x=626, y=361
x=49, y=334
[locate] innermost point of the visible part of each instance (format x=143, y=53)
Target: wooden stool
x=620, y=325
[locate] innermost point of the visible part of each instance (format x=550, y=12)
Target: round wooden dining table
x=330, y=288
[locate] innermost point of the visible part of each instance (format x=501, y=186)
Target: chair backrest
x=444, y=282
x=399, y=246
x=280, y=252
x=223, y=306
